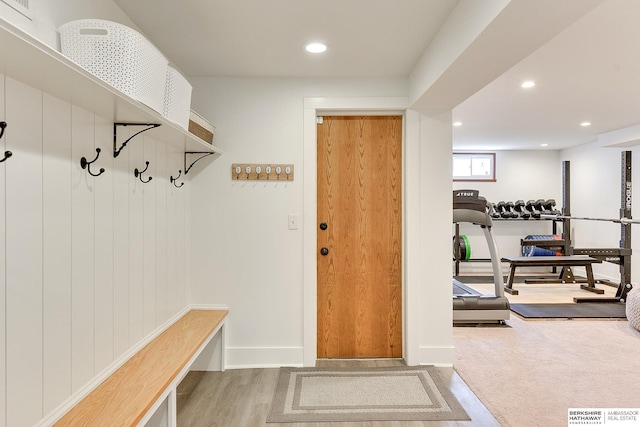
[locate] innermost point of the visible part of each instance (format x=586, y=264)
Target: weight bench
x=566, y=262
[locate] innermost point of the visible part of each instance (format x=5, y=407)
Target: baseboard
x=437, y=356
x=263, y=357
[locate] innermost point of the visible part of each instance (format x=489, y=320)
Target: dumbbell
x=502, y=210
x=492, y=210
x=519, y=207
x=531, y=207
x=509, y=207
x=549, y=207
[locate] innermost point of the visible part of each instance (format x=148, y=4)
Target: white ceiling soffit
x=589, y=72
x=365, y=38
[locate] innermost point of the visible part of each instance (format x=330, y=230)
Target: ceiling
x=589, y=72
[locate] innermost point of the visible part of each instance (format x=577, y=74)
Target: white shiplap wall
x=88, y=266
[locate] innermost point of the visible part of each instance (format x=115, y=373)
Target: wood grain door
x=359, y=237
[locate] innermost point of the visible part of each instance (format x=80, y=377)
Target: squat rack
x=621, y=255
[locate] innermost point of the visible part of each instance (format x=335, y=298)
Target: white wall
x=520, y=175
x=243, y=255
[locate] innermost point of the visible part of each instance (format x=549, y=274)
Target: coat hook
x=7, y=154
x=138, y=174
x=173, y=180
x=85, y=164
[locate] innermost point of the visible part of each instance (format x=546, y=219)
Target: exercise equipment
x=584, y=218
x=541, y=245
x=549, y=207
x=470, y=306
x=509, y=207
x=502, y=209
x=492, y=210
x=620, y=256
x=530, y=206
x=463, y=248
x=520, y=208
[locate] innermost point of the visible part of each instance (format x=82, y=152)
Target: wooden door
x=359, y=250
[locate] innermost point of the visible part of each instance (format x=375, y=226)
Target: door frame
x=314, y=107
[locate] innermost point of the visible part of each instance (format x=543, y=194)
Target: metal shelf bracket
x=202, y=154
x=116, y=150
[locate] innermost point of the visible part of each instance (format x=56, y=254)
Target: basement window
x=474, y=166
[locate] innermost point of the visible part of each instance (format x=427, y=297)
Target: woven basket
x=177, y=98
x=201, y=128
x=632, y=308
x=120, y=56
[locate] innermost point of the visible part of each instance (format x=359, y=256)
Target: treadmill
x=470, y=306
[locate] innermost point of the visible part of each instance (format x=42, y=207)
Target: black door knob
x=323, y=226
x=324, y=251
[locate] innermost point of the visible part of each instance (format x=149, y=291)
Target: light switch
x=293, y=221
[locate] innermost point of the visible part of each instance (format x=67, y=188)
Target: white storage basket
x=118, y=55
x=177, y=98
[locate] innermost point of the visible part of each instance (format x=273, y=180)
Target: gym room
x=168, y=254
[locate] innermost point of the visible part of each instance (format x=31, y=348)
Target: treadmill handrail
x=474, y=217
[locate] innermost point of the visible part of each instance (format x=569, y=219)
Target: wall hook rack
x=85, y=164
x=203, y=155
x=116, y=151
x=138, y=174
x=173, y=180
x=7, y=154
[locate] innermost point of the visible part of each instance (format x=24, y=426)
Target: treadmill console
x=469, y=199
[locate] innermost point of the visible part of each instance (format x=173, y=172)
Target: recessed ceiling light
x=457, y=124
x=528, y=84
x=316, y=47
x=544, y=145
x=585, y=124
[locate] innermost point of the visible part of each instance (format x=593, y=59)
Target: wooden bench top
x=569, y=260
x=127, y=394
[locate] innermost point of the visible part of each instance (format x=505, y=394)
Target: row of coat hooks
x=86, y=164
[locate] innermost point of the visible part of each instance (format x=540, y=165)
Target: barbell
x=583, y=218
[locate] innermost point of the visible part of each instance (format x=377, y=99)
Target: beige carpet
x=531, y=373
x=365, y=394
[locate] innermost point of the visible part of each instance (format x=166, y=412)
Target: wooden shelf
x=28, y=60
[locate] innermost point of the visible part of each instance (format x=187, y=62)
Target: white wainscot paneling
x=180, y=192
x=82, y=250
x=24, y=335
x=172, y=236
x=122, y=177
x=3, y=269
x=162, y=312
x=149, y=234
x=136, y=241
x=104, y=245
x=56, y=170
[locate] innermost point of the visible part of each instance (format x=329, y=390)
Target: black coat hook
x=7, y=154
x=85, y=164
x=138, y=174
x=173, y=180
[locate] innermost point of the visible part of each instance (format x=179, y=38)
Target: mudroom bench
x=143, y=390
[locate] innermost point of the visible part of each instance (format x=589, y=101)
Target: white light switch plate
x=293, y=221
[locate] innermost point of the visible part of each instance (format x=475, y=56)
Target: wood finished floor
x=242, y=398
